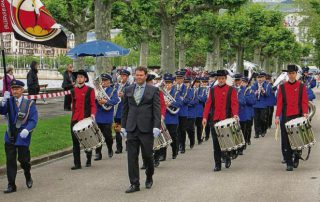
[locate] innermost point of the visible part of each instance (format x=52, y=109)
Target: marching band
x=158, y=111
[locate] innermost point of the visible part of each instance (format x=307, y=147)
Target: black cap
x=16, y=83
x=238, y=76
x=81, y=72
x=222, y=73
x=150, y=77
x=291, y=68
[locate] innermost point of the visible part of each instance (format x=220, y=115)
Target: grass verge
x=50, y=135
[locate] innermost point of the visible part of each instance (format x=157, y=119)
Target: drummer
x=223, y=99
x=83, y=106
x=292, y=102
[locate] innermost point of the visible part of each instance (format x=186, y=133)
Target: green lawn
x=50, y=135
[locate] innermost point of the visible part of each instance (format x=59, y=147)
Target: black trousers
x=172, y=128
x=118, y=137
x=270, y=115
x=199, y=128
x=135, y=140
x=260, y=121
x=285, y=143
x=76, y=148
x=107, y=134
x=11, y=161
x=67, y=102
x=183, y=122
x=246, y=128
x=217, y=154
x=190, y=129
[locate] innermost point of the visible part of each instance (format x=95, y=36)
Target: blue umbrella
x=98, y=48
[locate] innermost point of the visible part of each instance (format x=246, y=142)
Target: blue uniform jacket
x=173, y=118
x=271, y=99
x=119, y=110
x=202, y=97
x=29, y=124
x=192, y=102
x=261, y=102
x=246, y=99
x=185, y=98
x=310, y=84
x=103, y=116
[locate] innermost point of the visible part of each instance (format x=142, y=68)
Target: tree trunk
x=79, y=37
x=276, y=65
x=168, y=40
x=209, y=61
x=266, y=64
x=102, y=30
x=144, y=51
x=240, y=54
x=216, y=53
x=257, y=56
x=182, y=56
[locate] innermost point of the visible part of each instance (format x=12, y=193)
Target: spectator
x=67, y=84
x=32, y=79
x=10, y=77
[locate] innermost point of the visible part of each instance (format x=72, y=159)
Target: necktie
x=137, y=95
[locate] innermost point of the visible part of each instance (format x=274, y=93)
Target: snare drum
x=88, y=134
x=229, y=134
x=300, y=133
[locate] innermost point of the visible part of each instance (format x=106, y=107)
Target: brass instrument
x=170, y=99
x=312, y=110
x=121, y=85
x=260, y=90
x=164, y=138
x=101, y=93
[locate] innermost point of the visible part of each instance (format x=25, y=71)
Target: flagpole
x=4, y=62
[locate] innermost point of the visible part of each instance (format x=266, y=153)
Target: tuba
x=101, y=93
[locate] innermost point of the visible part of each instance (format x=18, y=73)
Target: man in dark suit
x=140, y=120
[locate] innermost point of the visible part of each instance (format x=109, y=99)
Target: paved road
x=256, y=176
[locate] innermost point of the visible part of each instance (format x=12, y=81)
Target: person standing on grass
x=10, y=77
x=24, y=117
x=68, y=84
x=32, y=80
x=83, y=106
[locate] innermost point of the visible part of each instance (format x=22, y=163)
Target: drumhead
x=226, y=122
x=296, y=121
x=83, y=124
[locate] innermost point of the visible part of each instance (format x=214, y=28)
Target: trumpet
x=101, y=93
x=260, y=90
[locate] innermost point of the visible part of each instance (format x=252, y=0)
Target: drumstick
x=277, y=133
x=203, y=132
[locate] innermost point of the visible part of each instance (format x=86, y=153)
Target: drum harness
x=22, y=117
x=284, y=111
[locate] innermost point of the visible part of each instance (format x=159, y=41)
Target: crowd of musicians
x=133, y=113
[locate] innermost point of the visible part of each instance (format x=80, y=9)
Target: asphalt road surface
x=258, y=175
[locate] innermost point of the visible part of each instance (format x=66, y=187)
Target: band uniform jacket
x=146, y=115
x=31, y=116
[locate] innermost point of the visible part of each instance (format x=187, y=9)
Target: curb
x=42, y=159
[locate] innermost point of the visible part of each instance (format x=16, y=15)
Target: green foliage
x=46, y=137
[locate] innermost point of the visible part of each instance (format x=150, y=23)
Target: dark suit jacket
x=67, y=83
x=146, y=115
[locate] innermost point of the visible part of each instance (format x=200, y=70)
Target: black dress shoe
x=207, y=138
x=29, y=182
x=149, y=183
x=118, y=151
x=98, y=157
x=249, y=143
x=174, y=156
x=110, y=153
x=289, y=168
x=88, y=163
x=296, y=162
x=191, y=146
x=133, y=188
x=256, y=136
x=240, y=152
x=217, y=169
x=183, y=151
x=283, y=161
x=10, y=189
x=76, y=167
x=228, y=163
x=263, y=134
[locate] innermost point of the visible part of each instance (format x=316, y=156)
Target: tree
x=75, y=15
